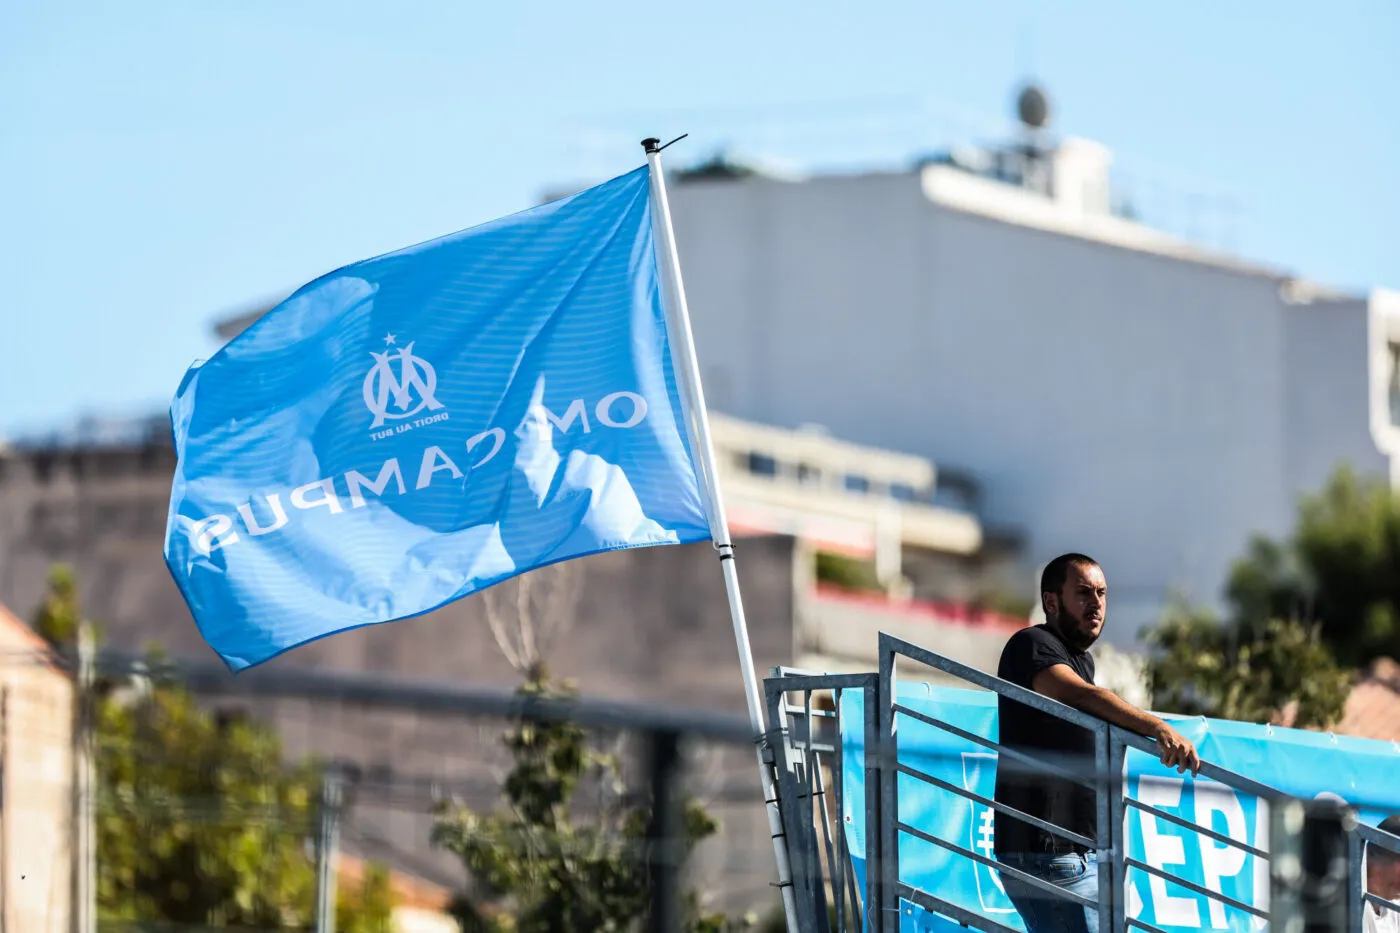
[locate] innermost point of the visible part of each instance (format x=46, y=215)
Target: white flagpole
x=698, y=421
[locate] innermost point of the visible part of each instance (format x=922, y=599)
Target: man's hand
x=1176, y=750
x=1061, y=683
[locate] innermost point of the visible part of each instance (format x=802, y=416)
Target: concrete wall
x=1326, y=345
x=647, y=624
x=845, y=636
x=36, y=785
x=1152, y=410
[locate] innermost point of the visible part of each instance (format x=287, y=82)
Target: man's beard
x=1074, y=637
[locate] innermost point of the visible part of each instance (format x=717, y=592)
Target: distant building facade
x=1113, y=389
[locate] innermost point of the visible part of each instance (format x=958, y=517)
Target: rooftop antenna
x=1033, y=152
x=1033, y=108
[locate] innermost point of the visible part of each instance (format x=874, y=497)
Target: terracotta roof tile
x=26, y=634
x=409, y=891
x=1373, y=707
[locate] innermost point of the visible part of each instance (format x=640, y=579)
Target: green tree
x=1339, y=569
x=199, y=820
x=542, y=865
x=1203, y=667
x=60, y=614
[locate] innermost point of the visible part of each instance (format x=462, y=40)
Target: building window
x=856, y=483
x=762, y=465
x=903, y=492
x=806, y=473
x=1394, y=383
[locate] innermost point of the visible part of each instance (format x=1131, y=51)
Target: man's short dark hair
x=1053, y=577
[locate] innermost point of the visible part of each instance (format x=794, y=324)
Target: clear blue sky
x=165, y=162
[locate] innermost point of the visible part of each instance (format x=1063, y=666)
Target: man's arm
x=1060, y=682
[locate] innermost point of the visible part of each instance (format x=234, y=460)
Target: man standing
x=1382, y=880
x=1053, y=659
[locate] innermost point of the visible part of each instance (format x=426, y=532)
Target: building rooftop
x=97, y=433
x=1373, y=707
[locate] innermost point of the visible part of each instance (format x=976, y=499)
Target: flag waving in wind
x=414, y=428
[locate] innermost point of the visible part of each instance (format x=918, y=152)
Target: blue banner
x=414, y=428
x=1304, y=764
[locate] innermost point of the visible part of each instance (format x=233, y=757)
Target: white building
x=1112, y=389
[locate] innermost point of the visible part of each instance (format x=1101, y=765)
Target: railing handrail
x=1374, y=834
x=1209, y=769
x=1066, y=712
x=990, y=682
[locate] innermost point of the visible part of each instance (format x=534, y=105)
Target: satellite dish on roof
x=1033, y=107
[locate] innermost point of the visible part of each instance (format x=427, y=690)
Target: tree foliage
x=1340, y=569
x=1304, y=612
x=199, y=822
x=198, y=818
x=544, y=863
x=60, y=614
x=1202, y=667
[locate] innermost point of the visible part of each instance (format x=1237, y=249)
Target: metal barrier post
x=816, y=804
x=1118, y=829
x=797, y=734
x=1103, y=827
x=664, y=833
x=841, y=860
x=786, y=799
x=328, y=848
x=1366, y=843
x=887, y=919
x=875, y=703
x=1356, y=882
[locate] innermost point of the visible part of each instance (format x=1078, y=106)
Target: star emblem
x=390, y=340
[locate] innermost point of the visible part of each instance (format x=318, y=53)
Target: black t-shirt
x=1055, y=799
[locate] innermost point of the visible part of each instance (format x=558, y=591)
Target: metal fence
x=823, y=867
x=805, y=709
x=1359, y=842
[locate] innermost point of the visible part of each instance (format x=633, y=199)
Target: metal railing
x=823, y=868
x=1361, y=839
x=811, y=789
x=895, y=889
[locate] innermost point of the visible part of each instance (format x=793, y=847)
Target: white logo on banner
x=408, y=392
x=982, y=831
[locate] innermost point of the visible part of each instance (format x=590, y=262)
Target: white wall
x=1152, y=411
x=1326, y=352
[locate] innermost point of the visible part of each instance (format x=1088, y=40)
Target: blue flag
x=414, y=428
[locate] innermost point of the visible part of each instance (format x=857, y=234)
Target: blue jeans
x=1046, y=913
